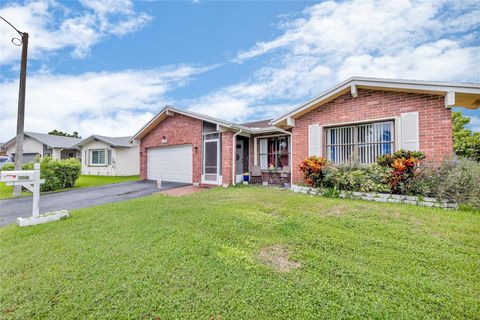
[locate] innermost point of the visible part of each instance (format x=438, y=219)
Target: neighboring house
x=355, y=121
x=109, y=156
x=42, y=144
x=2, y=151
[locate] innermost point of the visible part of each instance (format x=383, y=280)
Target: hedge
x=58, y=174
x=402, y=173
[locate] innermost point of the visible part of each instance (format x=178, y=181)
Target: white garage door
x=170, y=163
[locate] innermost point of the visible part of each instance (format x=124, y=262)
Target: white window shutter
x=263, y=155
x=409, y=131
x=398, y=133
x=314, y=140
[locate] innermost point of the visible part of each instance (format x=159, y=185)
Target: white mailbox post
x=30, y=179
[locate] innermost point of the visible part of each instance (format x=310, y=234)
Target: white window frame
x=355, y=148
x=104, y=158
x=211, y=137
x=276, y=153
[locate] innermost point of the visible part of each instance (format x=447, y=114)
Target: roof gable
x=116, y=142
x=456, y=94
x=170, y=111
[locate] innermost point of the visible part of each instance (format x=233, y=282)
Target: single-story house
x=355, y=121
x=42, y=144
x=109, y=156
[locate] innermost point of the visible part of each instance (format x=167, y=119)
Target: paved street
x=10, y=209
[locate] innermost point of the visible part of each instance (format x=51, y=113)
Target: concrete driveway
x=10, y=209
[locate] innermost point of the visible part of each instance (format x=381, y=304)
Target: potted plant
x=271, y=168
x=246, y=177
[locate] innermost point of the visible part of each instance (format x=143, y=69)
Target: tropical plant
x=312, y=170
x=403, y=167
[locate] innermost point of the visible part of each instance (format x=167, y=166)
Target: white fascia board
x=440, y=88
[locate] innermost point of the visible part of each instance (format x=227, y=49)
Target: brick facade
x=227, y=154
x=435, y=121
x=178, y=129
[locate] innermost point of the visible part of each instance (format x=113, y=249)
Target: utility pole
x=21, y=104
x=17, y=190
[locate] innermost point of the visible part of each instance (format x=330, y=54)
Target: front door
x=239, y=161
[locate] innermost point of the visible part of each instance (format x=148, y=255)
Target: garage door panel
x=173, y=163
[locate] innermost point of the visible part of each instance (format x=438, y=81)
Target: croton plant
x=404, y=168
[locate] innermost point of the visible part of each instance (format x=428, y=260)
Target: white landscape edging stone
x=381, y=197
x=43, y=218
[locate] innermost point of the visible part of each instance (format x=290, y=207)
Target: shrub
x=453, y=180
x=58, y=174
x=356, y=178
x=11, y=166
x=403, y=167
x=8, y=167
x=312, y=170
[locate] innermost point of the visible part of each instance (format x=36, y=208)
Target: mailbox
x=17, y=176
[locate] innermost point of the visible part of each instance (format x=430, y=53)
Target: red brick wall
x=435, y=121
x=178, y=130
x=227, y=149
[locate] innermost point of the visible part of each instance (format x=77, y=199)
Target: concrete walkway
x=10, y=209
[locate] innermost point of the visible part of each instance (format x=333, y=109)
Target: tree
x=56, y=132
x=466, y=143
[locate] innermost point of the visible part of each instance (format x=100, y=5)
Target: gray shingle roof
x=50, y=140
x=113, y=141
x=53, y=140
x=258, y=124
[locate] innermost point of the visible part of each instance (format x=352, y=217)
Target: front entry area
x=241, y=158
x=173, y=163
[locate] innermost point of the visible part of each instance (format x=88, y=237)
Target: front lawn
x=94, y=181
x=244, y=253
x=83, y=181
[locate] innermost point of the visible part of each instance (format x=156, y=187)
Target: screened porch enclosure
x=359, y=143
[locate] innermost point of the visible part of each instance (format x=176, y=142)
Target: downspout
x=234, y=149
x=291, y=146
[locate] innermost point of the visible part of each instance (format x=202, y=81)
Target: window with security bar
x=361, y=143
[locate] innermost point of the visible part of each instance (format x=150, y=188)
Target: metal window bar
x=340, y=144
x=363, y=143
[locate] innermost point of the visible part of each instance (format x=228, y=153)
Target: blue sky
x=106, y=67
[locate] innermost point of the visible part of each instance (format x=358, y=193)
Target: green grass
x=93, y=181
x=189, y=257
x=83, y=181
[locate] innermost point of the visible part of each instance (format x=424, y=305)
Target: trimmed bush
x=354, y=177
x=8, y=167
x=58, y=174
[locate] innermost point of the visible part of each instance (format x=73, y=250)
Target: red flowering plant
x=312, y=168
x=404, y=167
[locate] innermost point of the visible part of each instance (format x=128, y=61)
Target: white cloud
x=53, y=26
x=474, y=123
x=332, y=41
x=111, y=103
